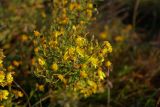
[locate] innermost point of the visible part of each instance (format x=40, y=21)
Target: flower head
x=36, y=33
x=54, y=67
x=41, y=61
x=9, y=78
x=80, y=41
x=17, y=93
x=101, y=74
x=94, y=61
x=108, y=64
x=4, y=94
x=83, y=74
x=107, y=46
x=40, y=87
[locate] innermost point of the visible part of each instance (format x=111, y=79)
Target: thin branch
x=29, y=104
x=137, y=2
x=41, y=100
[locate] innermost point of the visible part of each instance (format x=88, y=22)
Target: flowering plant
x=65, y=55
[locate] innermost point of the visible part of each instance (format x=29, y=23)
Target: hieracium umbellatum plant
x=66, y=55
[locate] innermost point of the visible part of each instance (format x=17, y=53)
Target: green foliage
x=45, y=40
x=65, y=57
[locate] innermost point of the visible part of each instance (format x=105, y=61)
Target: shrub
x=65, y=55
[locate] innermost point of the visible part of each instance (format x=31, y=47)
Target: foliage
x=65, y=56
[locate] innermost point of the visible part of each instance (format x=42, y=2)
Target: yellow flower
x=78, y=6
x=66, y=56
x=80, y=51
x=33, y=61
x=1, y=65
x=20, y=94
x=74, y=27
x=74, y=6
x=80, y=41
x=40, y=87
x=119, y=38
x=16, y=63
x=80, y=84
x=71, y=51
x=93, y=85
x=103, y=35
x=108, y=64
x=35, y=42
x=64, y=2
x=64, y=20
x=41, y=61
x=24, y=38
x=36, y=50
x=61, y=77
x=53, y=43
x=83, y=74
x=54, y=67
x=71, y=6
x=36, y=33
x=84, y=66
x=90, y=5
x=94, y=61
x=86, y=92
x=17, y=93
x=103, y=51
x=101, y=74
x=10, y=68
x=107, y=46
x=82, y=22
x=1, y=56
x=128, y=28
x=89, y=13
x=57, y=33
x=71, y=54
x=4, y=94
x=2, y=76
x=1, y=61
x=9, y=78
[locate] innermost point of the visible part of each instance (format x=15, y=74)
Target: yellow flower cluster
x=4, y=94
x=6, y=79
x=115, y=33
x=17, y=93
x=64, y=56
x=107, y=47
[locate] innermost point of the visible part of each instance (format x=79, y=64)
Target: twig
x=108, y=97
x=23, y=92
x=41, y=100
x=137, y=2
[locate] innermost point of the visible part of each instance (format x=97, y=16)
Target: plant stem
x=137, y=2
